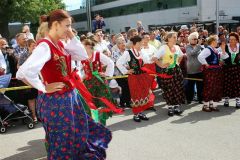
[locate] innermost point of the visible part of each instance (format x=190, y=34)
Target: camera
x=9, y=47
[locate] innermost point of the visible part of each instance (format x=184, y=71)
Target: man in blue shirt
x=98, y=23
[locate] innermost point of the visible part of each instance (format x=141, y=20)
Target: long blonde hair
x=42, y=31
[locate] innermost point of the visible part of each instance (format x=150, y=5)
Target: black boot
x=143, y=117
x=170, y=111
x=177, y=110
x=238, y=105
x=226, y=103
x=136, y=118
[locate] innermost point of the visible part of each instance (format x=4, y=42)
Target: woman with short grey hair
x=193, y=49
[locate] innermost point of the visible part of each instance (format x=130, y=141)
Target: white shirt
x=106, y=61
x=115, y=48
x=115, y=56
x=29, y=35
x=3, y=63
x=206, y=52
x=230, y=50
x=148, y=53
x=30, y=69
x=78, y=65
x=125, y=58
x=101, y=47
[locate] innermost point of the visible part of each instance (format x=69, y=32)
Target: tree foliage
x=25, y=11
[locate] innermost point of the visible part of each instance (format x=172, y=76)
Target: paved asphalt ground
x=195, y=135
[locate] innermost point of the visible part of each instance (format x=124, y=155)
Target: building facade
x=120, y=15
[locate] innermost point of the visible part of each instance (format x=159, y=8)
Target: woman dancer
x=94, y=78
x=70, y=132
x=139, y=82
x=168, y=58
x=212, y=74
x=231, y=68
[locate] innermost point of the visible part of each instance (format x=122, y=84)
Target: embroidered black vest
x=213, y=58
x=134, y=63
x=228, y=61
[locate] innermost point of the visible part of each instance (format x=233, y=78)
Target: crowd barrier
x=108, y=78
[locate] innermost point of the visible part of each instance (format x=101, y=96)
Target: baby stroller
x=9, y=110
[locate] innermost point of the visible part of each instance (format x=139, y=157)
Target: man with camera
x=8, y=62
x=98, y=23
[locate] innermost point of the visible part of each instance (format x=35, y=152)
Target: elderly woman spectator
x=193, y=49
x=125, y=98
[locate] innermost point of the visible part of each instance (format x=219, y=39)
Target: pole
x=217, y=16
x=89, y=17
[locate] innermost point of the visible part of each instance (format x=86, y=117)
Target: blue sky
x=73, y=4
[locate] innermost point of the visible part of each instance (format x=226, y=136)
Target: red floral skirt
x=140, y=90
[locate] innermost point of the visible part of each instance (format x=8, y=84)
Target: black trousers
x=191, y=85
x=125, y=98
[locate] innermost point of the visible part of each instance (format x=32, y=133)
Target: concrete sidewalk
x=195, y=135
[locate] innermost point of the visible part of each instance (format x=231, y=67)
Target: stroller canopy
x=5, y=80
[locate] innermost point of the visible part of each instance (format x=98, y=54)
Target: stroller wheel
x=3, y=129
x=30, y=125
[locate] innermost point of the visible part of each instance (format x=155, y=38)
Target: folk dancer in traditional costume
x=70, y=132
x=139, y=82
x=231, y=71
x=212, y=74
x=168, y=58
x=94, y=78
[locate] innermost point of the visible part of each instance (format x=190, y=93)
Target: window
x=140, y=7
x=98, y=2
x=80, y=17
x=148, y=6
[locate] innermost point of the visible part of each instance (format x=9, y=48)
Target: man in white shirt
x=101, y=45
x=26, y=30
x=2, y=64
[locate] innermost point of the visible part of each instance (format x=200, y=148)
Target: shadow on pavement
x=197, y=116
x=34, y=150
x=129, y=124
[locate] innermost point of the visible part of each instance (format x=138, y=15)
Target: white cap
x=113, y=84
x=184, y=27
